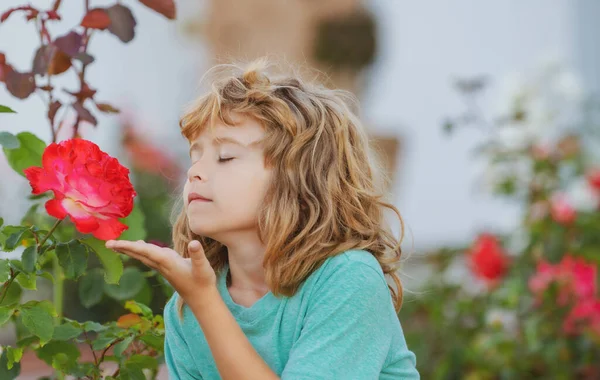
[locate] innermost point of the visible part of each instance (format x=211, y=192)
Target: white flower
x=538, y=106
x=505, y=318
x=581, y=196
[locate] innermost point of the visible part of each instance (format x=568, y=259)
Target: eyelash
x=225, y=159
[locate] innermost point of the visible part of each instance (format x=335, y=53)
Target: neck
x=245, y=255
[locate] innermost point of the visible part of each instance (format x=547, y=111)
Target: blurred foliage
x=525, y=304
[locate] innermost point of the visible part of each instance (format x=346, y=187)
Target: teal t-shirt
x=340, y=324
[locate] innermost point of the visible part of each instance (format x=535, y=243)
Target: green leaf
x=1, y=221
x=59, y=354
x=9, y=141
x=66, y=331
x=4, y=270
x=145, y=295
x=28, y=154
x=113, y=266
x=16, y=265
x=38, y=318
x=128, y=373
x=5, y=372
x=27, y=280
x=103, y=340
x=130, y=284
x=5, y=313
x=47, y=275
x=28, y=341
x=29, y=258
x=141, y=362
x=135, y=221
x=138, y=308
x=122, y=346
x=5, y=109
x=73, y=258
x=13, y=294
x=15, y=236
x=14, y=355
x=155, y=341
x=93, y=326
x=91, y=288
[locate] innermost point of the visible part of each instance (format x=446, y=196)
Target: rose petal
x=55, y=209
x=109, y=229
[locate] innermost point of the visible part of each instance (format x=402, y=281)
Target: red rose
x=89, y=186
x=487, y=259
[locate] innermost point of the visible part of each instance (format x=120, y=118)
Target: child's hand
x=189, y=276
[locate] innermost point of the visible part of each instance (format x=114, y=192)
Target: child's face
x=232, y=176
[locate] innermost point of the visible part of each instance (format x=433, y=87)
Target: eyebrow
x=225, y=140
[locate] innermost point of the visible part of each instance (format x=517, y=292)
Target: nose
x=195, y=172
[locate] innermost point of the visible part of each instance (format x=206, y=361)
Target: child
x=282, y=242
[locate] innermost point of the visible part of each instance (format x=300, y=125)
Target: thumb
x=196, y=252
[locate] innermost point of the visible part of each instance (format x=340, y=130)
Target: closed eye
x=226, y=159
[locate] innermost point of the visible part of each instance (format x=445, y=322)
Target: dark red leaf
x=84, y=114
x=54, y=107
x=122, y=22
x=70, y=44
x=2, y=58
x=60, y=63
x=3, y=70
x=7, y=14
x=42, y=59
x=107, y=108
x=96, y=19
x=20, y=85
x=85, y=58
x=83, y=94
x=32, y=12
x=52, y=15
x=164, y=7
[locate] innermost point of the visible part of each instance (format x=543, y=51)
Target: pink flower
x=576, y=279
x=585, y=314
x=487, y=259
x=561, y=210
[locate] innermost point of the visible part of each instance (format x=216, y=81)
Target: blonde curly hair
x=326, y=196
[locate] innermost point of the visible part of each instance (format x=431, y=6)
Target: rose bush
x=80, y=197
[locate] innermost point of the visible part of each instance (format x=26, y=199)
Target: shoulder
x=354, y=270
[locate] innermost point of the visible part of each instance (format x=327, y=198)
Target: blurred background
x=484, y=113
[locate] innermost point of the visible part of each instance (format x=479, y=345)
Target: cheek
x=245, y=192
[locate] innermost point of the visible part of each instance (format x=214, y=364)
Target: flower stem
x=58, y=286
x=50, y=233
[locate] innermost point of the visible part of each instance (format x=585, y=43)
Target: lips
x=197, y=197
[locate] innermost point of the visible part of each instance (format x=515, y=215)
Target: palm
x=186, y=275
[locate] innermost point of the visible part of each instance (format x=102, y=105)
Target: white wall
x=424, y=44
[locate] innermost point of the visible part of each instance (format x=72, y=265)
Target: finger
x=143, y=259
x=138, y=249
x=196, y=252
